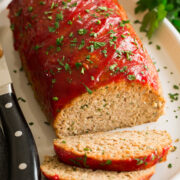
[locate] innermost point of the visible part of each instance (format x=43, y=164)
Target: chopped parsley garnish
x=173, y=97
x=87, y=10
x=98, y=22
x=12, y=27
x=56, y=24
x=31, y=123
x=98, y=44
x=128, y=53
x=71, y=34
x=78, y=64
x=176, y=87
x=55, y=98
x=52, y=29
x=42, y=3
x=111, y=32
x=49, y=17
x=131, y=77
x=103, y=8
x=158, y=47
x=73, y=5
x=60, y=17
x=19, y=12
x=86, y=149
x=137, y=22
x=74, y=40
x=82, y=70
x=37, y=47
x=47, y=12
x=92, y=78
x=82, y=31
x=153, y=157
x=150, y=42
x=139, y=161
x=21, y=99
x=69, y=22
x=88, y=56
x=67, y=67
x=47, y=123
x=124, y=22
x=112, y=67
x=123, y=36
x=93, y=34
x=30, y=8
x=53, y=81
x=104, y=52
x=82, y=44
x=87, y=89
x=123, y=69
x=58, y=49
x=59, y=40
x=91, y=48
x=64, y=142
x=108, y=162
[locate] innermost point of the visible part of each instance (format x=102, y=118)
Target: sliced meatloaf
x=117, y=151
x=88, y=69
x=55, y=170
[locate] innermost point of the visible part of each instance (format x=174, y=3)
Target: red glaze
x=55, y=177
x=51, y=62
x=129, y=164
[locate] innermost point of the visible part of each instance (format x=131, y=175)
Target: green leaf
x=143, y=5
x=176, y=23
x=87, y=89
x=157, y=11
x=152, y=19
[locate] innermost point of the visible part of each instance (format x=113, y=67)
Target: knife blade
x=23, y=155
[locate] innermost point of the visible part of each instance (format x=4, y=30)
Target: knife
x=23, y=155
x=4, y=161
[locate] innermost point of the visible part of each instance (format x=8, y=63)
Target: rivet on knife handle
x=24, y=161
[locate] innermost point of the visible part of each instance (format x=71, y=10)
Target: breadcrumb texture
x=116, y=105
x=55, y=170
x=118, y=151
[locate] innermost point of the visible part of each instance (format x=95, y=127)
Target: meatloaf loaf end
x=55, y=170
x=88, y=69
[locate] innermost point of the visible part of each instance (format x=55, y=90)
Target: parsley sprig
x=156, y=12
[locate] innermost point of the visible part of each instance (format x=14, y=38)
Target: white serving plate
x=169, y=56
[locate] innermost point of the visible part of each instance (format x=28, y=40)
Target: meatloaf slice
x=88, y=69
x=114, y=151
x=55, y=170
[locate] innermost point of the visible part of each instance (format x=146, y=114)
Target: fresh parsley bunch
x=157, y=10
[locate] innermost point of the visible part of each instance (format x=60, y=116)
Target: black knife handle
x=4, y=161
x=24, y=160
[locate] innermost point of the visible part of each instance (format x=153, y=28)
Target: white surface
x=4, y=73
x=4, y=4
x=169, y=56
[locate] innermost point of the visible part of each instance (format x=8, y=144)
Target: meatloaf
x=55, y=170
x=114, y=151
x=88, y=69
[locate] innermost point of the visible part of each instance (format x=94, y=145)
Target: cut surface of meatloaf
x=88, y=69
x=55, y=170
x=114, y=151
